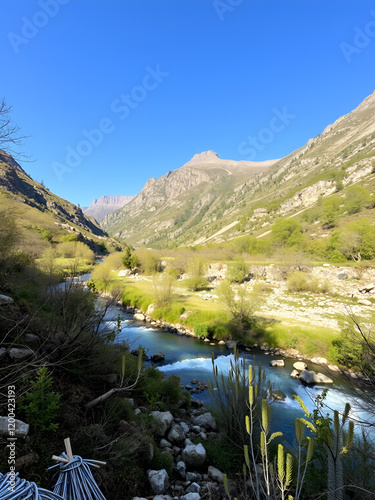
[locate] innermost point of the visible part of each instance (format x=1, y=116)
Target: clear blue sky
x=222, y=68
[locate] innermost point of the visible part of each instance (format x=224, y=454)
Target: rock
x=176, y=435
x=194, y=381
x=159, y=481
x=295, y=374
x=320, y=378
x=310, y=377
x=343, y=276
x=231, y=344
x=181, y=469
x=215, y=474
x=162, y=497
x=300, y=365
x=206, y=421
x=194, y=455
x=20, y=353
x=139, y=317
x=185, y=427
x=164, y=420
x=191, y=496
x=334, y=368
x=319, y=361
x=21, y=428
x=130, y=401
x=30, y=338
x=5, y=300
x=277, y=362
x=278, y=395
x=165, y=444
x=158, y=356
x=221, y=342
x=364, y=302
x=193, y=488
x=2, y=351
x=26, y=460
x=139, y=498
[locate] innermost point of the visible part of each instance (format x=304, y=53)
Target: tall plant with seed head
x=330, y=432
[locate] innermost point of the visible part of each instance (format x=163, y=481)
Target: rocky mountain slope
x=170, y=208
x=105, y=205
x=17, y=184
x=210, y=199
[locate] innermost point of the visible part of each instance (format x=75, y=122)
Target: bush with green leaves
x=237, y=271
x=41, y=404
x=287, y=232
x=300, y=281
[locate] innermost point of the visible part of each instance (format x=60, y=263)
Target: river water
x=190, y=358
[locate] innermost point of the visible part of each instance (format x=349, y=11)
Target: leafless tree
x=11, y=138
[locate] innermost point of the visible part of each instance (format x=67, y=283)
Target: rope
x=75, y=481
x=23, y=490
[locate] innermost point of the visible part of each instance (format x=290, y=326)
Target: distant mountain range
x=104, y=205
x=211, y=199
x=172, y=206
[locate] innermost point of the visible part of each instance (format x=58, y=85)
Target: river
x=190, y=358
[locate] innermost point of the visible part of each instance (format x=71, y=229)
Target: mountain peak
x=204, y=157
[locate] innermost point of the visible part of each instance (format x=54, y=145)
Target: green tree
x=287, y=232
x=237, y=270
x=357, y=197
x=330, y=211
x=357, y=242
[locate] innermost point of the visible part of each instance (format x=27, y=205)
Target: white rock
x=193, y=488
x=181, y=468
x=185, y=427
x=164, y=420
x=194, y=455
x=159, y=481
x=215, y=474
x=206, y=421
x=310, y=377
x=300, y=365
x=277, y=363
x=319, y=361
x=139, y=317
x=21, y=353
x=4, y=300
x=165, y=444
x=295, y=374
x=334, y=368
x=191, y=496
x=364, y=302
x=177, y=434
x=21, y=428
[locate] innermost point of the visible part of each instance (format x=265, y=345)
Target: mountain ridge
x=106, y=204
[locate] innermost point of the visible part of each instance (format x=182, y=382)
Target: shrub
x=201, y=331
x=196, y=283
x=300, y=281
x=40, y=404
x=162, y=461
x=237, y=271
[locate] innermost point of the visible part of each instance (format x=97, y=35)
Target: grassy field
x=308, y=339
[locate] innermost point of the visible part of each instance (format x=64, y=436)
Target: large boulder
x=215, y=474
x=277, y=362
x=231, y=344
x=194, y=455
x=206, y=421
x=139, y=317
x=5, y=300
x=295, y=374
x=300, y=365
x=159, y=481
x=21, y=428
x=310, y=377
x=164, y=420
x=176, y=435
